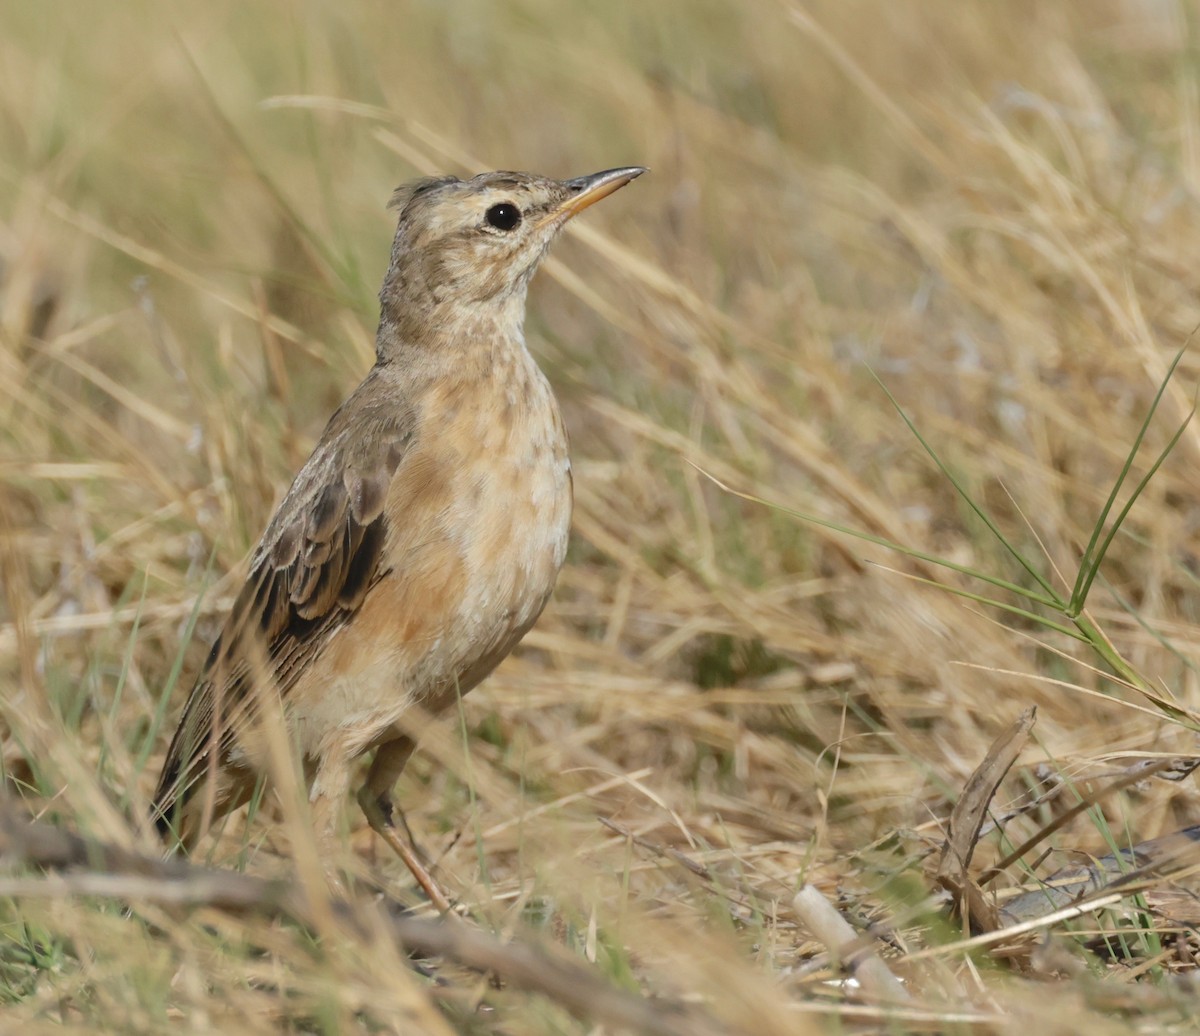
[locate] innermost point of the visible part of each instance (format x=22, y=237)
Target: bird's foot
x=380, y=813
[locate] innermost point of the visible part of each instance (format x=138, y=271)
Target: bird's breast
x=516, y=507
x=495, y=526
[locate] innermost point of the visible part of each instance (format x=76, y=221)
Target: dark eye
x=503, y=216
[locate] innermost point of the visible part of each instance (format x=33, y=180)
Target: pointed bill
x=587, y=190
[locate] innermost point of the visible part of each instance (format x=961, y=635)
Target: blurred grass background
x=993, y=207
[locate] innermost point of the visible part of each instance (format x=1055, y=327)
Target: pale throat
x=452, y=331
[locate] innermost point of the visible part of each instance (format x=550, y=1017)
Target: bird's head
x=467, y=248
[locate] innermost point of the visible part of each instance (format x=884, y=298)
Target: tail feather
x=190, y=800
x=166, y=802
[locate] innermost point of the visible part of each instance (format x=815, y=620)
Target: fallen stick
x=843, y=943
x=82, y=867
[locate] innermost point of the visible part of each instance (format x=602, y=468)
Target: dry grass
x=993, y=207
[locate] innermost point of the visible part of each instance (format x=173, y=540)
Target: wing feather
x=315, y=564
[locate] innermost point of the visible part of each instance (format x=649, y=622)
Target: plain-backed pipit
x=423, y=536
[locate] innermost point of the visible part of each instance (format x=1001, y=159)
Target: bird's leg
x=375, y=798
x=389, y=762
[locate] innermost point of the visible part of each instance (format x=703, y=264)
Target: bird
x=421, y=539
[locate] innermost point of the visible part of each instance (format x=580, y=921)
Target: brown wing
x=314, y=565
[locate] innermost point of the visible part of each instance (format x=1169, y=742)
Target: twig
x=842, y=942
x=1085, y=803
x=1164, y=857
x=83, y=867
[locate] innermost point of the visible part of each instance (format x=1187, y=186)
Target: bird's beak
x=587, y=190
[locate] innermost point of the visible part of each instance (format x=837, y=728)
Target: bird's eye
x=504, y=216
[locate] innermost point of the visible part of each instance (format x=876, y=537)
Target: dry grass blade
x=967, y=820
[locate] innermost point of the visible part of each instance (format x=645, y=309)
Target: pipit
x=422, y=538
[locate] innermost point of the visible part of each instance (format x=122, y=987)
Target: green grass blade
x=1091, y=566
x=164, y=700
x=1089, y=563
x=1012, y=609
x=122, y=678
x=1050, y=600
x=962, y=492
